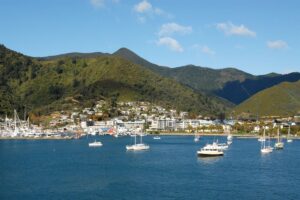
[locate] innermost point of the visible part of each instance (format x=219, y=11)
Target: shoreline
x=239, y=136
x=32, y=138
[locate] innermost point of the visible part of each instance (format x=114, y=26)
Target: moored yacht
x=279, y=144
x=265, y=149
x=156, y=138
x=210, y=150
x=139, y=146
x=289, y=140
x=196, y=138
x=95, y=144
x=229, y=137
x=136, y=147
x=261, y=139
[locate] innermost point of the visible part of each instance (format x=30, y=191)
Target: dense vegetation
x=279, y=100
x=229, y=83
x=239, y=91
x=64, y=82
x=79, y=79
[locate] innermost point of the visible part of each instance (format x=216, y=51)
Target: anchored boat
x=95, y=144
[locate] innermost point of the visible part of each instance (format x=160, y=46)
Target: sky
x=257, y=36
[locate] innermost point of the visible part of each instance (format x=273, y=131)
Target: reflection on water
x=208, y=160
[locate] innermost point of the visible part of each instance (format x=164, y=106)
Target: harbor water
x=170, y=169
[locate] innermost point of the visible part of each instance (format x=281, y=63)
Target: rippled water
x=69, y=169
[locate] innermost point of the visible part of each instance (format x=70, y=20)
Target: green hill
x=239, y=91
x=282, y=99
x=54, y=84
x=199, y=78
x=232, y=84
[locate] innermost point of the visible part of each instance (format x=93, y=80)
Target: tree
x=56, y=91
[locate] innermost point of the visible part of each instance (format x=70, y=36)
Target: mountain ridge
x=231, y=84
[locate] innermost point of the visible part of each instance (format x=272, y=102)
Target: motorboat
x=209, y=151
x=156, y=138
x=95, y=144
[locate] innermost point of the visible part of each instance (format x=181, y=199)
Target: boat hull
x=279, y=146
x=266, y=150
x=137, y=147
x=209, y=154
x=95, y=145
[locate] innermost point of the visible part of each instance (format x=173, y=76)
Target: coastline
x=239, y=136
x=37, y=138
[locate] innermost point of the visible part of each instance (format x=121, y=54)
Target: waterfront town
x=138, y=117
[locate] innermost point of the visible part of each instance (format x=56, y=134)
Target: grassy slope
x=282, y=99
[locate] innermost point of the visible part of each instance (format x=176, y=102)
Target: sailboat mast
x=278, y=134
x=264, y=140
x=15, y=120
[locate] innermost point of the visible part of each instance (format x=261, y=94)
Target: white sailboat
x=279, y=144
x=196, y=138
x=229, y=137
x=289, y=140
x=265, y=149
x=138, y=146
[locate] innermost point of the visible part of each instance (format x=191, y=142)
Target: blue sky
x=255, y=36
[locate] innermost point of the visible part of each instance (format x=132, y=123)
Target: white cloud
x=101, y=3
x=171, y=43
x=231, y=29
x=141, y=19
x=146, y=10
x=204, y=49
x=97, y=3
x=170, y=28
x=277, y=44
x=207, y=50
x=143, y=6
x=158, y=11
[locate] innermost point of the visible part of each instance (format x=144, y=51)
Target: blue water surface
x=69, y=169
